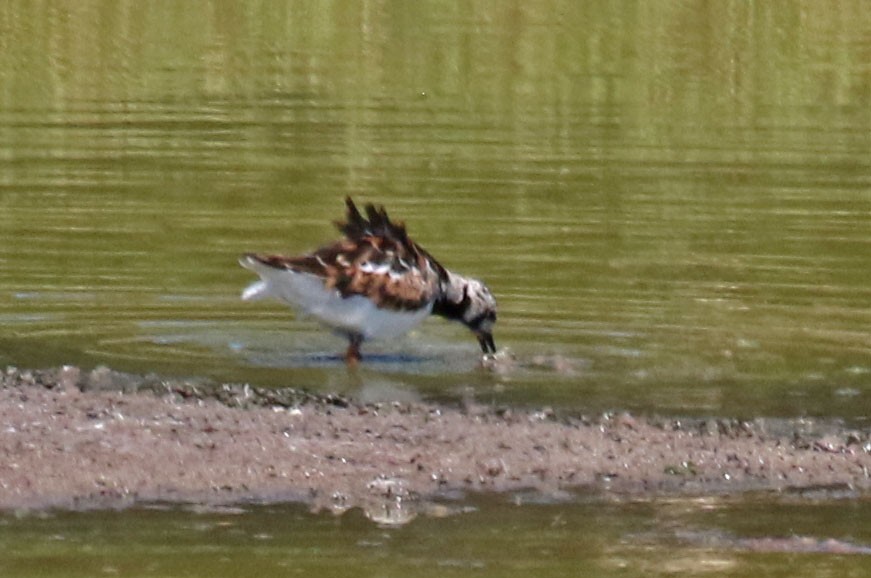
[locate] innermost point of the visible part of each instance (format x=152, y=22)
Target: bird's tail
x=260, y=288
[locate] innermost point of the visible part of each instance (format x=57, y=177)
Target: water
x=580, y=537
x=671, y=201
x=673, y=222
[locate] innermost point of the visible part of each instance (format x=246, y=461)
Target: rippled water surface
x=679, y=537
x=673, y=220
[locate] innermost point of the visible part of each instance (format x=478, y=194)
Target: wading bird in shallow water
x=373, y=283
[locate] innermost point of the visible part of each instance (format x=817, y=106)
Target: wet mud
x=81, y=439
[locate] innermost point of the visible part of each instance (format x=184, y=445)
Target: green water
x=494, y=537
x=670, y=199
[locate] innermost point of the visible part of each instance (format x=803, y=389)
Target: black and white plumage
x=373, y=283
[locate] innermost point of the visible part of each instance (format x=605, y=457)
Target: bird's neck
x=453, y=300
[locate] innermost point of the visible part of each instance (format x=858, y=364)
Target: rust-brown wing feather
x=376, y=259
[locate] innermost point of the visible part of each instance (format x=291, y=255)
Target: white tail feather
x=256, y=290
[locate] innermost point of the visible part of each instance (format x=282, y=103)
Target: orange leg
x=352, y=356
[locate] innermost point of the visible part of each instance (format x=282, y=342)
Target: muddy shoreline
x=77, y=439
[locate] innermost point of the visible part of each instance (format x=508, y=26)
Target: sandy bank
x=82, y=439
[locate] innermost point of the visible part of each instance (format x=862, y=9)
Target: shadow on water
x=331, y=360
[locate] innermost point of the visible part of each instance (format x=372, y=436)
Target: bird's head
x=471, y=303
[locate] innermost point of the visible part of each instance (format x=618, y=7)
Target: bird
x=373, y=283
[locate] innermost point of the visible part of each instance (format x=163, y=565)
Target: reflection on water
x=659, y=537
x=680, y=215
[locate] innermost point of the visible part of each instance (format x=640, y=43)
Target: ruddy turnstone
x=373, y=283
